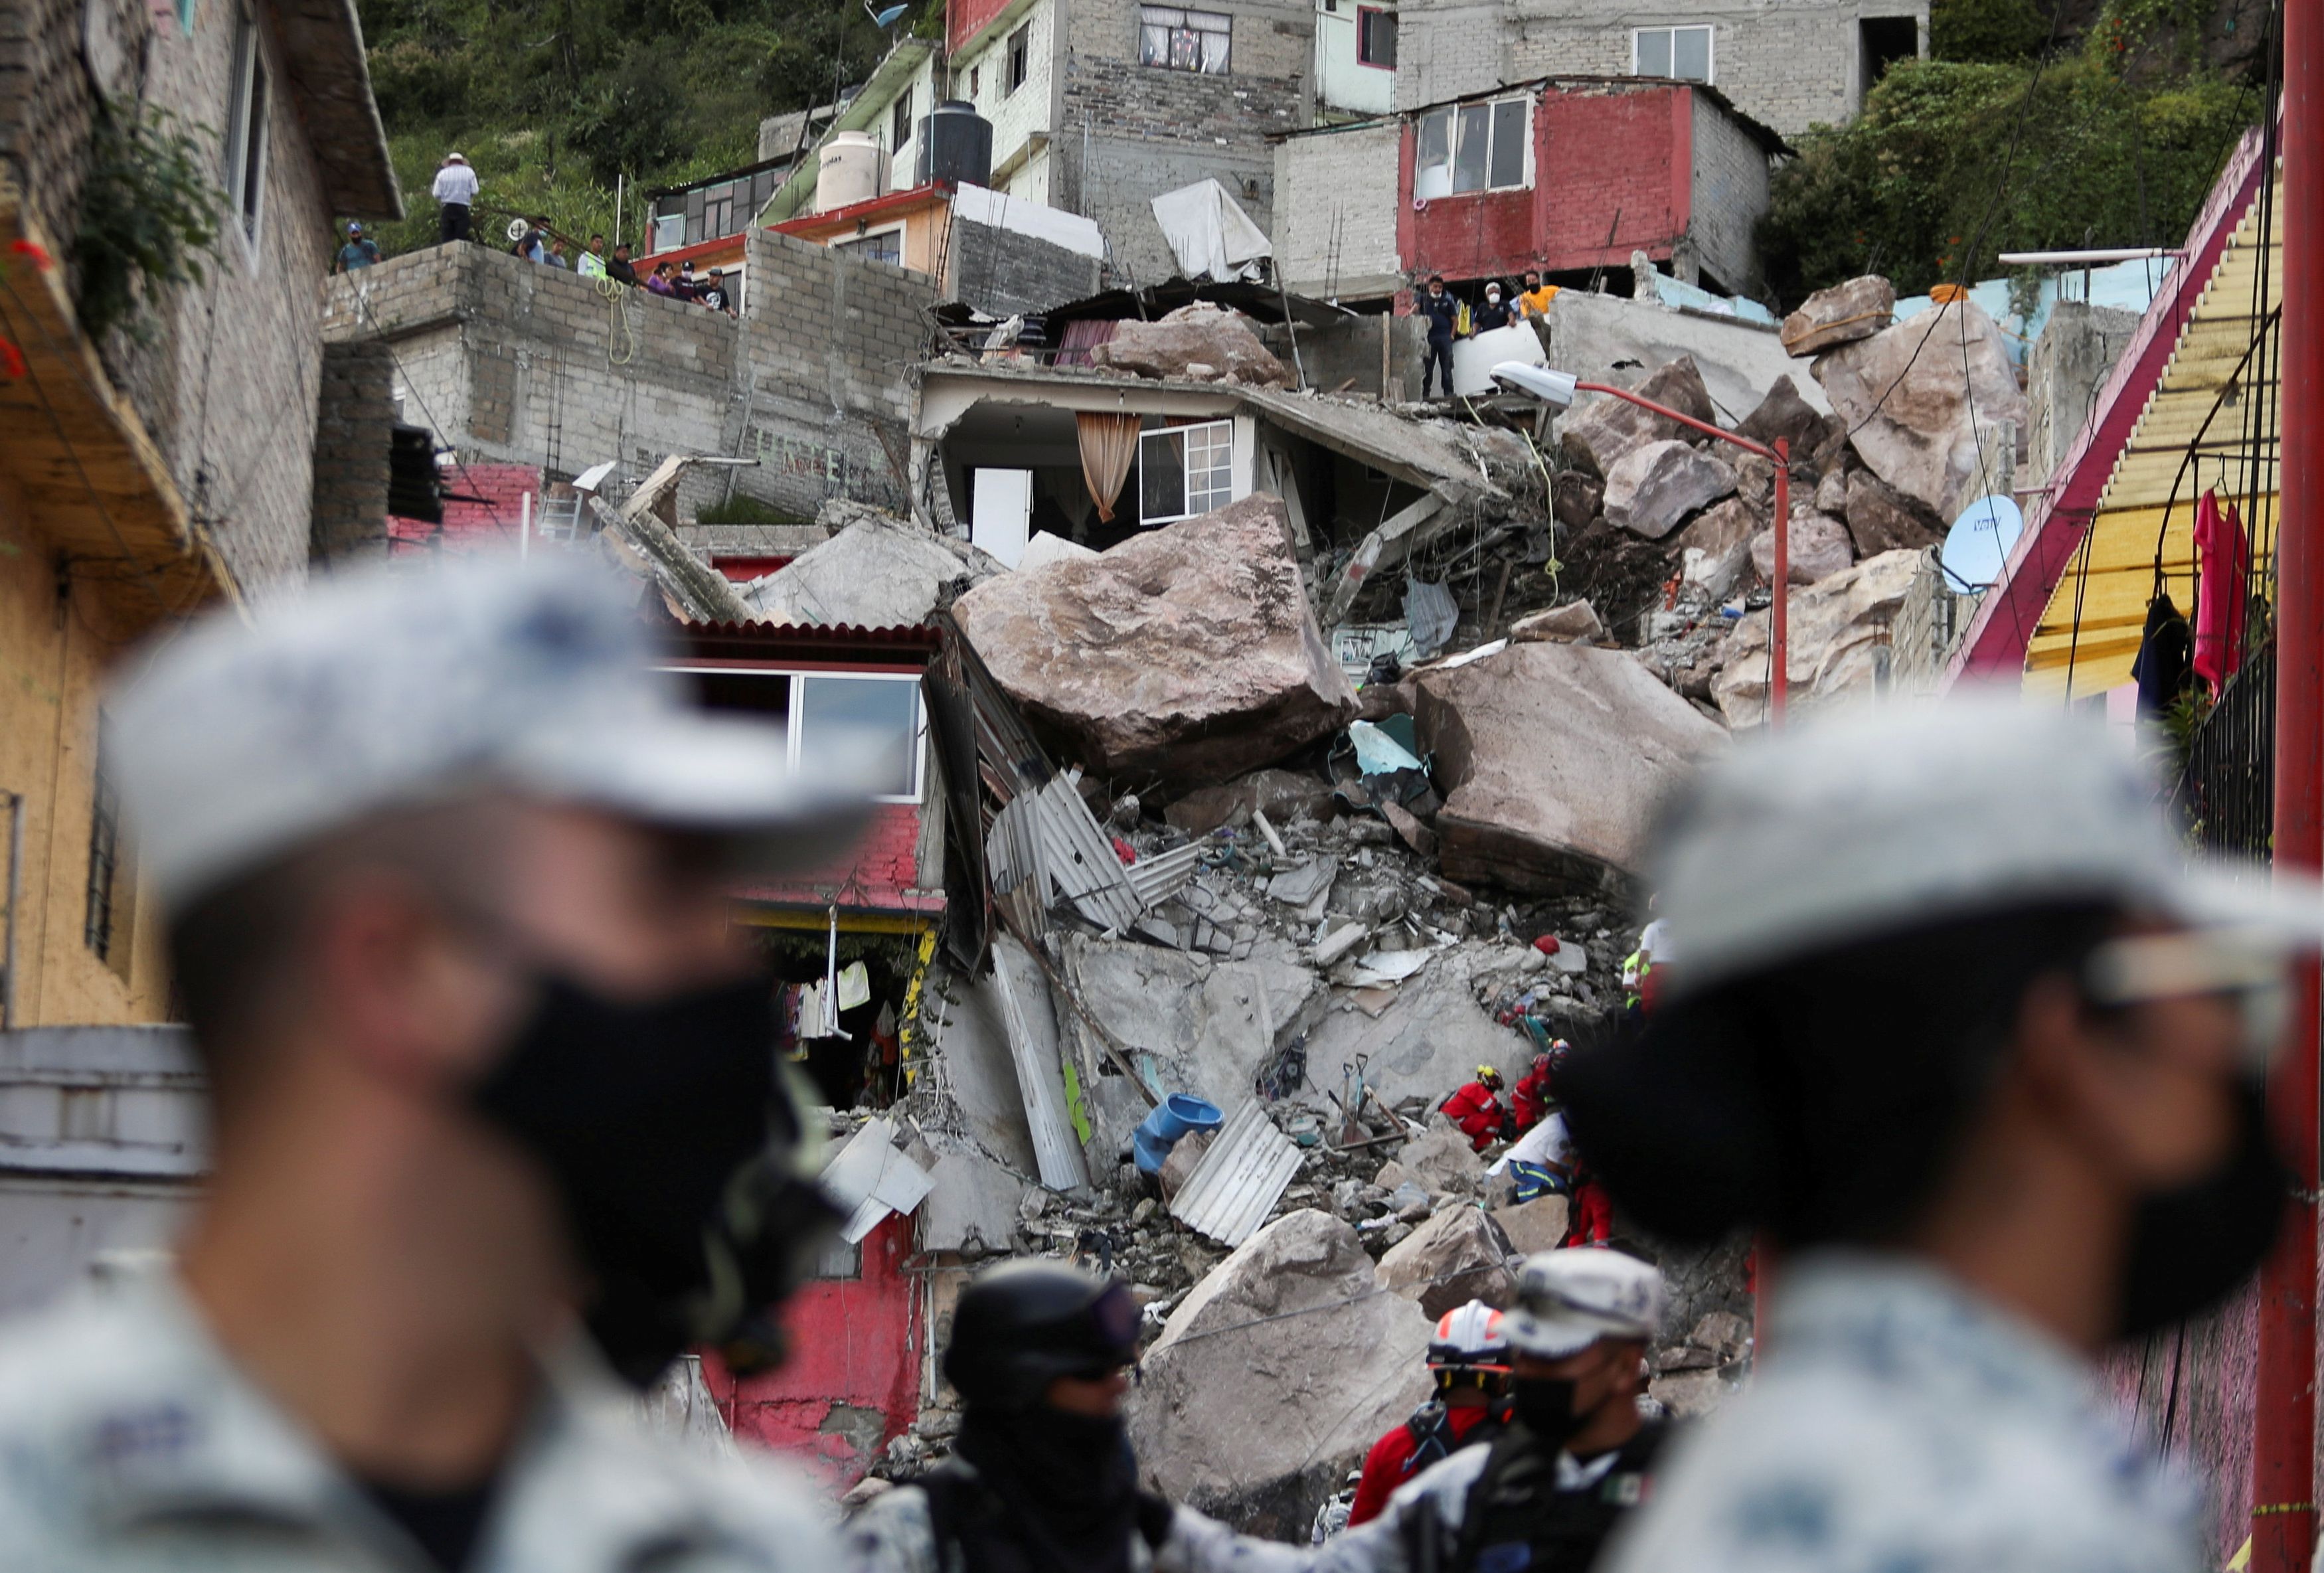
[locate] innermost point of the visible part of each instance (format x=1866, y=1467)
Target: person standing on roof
x=360, y=252
x=1440, y=316
x=495, y=1128
x=454, y=192
x=2060, y=1142
x=1468, y=1361
x=591, y=263
x=1478, y=1110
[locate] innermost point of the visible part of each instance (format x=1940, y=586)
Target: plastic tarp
x=1210, y=233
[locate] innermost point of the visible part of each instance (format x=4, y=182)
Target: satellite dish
x=1978, y=546
x=517, y=228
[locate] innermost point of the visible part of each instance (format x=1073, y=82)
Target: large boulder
x=1454, y=1256
x=1656, y=484
x=1441, y=1158
x=1840, y=315
x=1203, y=341
x=1552, y=758
x=1427, y=1040
x=1597, y=433
x=1574, y=623
x=1187, y=652
x=1926, y=402
x=1818, y=549
x=1280, y=794
x=878, y=571
x=1533, y=1227
x=1881, y=519
x=1782, y=413
x=1835, y=626
x=1275, y=1375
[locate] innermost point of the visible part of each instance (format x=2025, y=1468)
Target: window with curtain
x=1183, y=41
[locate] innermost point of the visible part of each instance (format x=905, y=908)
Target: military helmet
x=1021, y=1325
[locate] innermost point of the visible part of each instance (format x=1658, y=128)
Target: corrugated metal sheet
x=1050, y=839
x=1031, y=1020
x=1162, y=875
x=1235, y=1186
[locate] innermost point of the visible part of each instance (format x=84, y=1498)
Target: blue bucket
x=1159, y=1131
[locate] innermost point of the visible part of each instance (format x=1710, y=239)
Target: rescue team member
x=1534, y=1096
x=1469, y=1360
x=1041, y=1479
x=2059, y=1144
x=1441, y=314
x=1477, y=1108
x=444, y=865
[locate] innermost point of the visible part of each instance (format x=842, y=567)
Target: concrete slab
x=971, y=1061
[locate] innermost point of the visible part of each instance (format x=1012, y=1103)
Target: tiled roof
x=881, y=874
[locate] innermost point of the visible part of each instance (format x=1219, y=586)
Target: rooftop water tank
x=848, y=171
x=956, y=145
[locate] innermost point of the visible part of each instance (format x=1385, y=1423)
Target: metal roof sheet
x=1238, y=1180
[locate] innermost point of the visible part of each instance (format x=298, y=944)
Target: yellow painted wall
x=54, y=651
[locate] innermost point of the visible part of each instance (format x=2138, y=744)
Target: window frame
x=1366, y=15
x=1147, y=16
x=1214, y=431
x=245, y=148
x=1709, y=77
x=900, y=126
x=1450, y=116
x=859, y=243
x=794, y=710
x=1017, y=61
x=110, y=894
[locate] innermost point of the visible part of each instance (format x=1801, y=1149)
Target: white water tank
x=849, y=171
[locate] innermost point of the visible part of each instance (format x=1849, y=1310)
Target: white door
x=1000, y=514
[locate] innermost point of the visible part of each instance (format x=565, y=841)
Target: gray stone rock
x=1428, y=1039
x=1819, y=549
x=1782, y=413
x=879, y=572
x=1441, y=1159
x=1881, y=519
x=1831, y=494
x=1597, y=433
x=1533, y=1227
x=1218, y=341
x=1689, y=1394
x=1654, y=486
x=1554, y=758
x=1188, y=652
x=1290, y=1325
x=1723, y=530
x=1456, y=1256
x=1576, y=621
x=1282, y=795
x=1575, y=497
x=1836, y=624
x=1926, y=403
x=1843, y=314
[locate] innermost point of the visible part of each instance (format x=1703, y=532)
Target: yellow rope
x=613, y=289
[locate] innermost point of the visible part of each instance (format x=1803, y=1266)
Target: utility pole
x=2283, y=1439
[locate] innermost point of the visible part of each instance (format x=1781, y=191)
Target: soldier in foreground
x=443, y=861
x=1963, y=1038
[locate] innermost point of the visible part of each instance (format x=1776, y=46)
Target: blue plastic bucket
x=1173, y=1117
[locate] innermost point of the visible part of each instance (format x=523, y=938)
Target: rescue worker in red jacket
x=1470, y=1361
x=1477, y=1108
x=1532, y=1097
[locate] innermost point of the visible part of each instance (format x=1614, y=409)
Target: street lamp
x=1557, y=389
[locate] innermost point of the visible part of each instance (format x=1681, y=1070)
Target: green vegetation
x=551, y=100
x=150, y=212
x=1989, y=148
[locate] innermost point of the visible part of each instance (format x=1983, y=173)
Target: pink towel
x=2223, y=561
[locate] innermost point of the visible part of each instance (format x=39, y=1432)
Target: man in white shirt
x=454, y=192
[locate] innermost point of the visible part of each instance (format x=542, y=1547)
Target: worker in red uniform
x=1531, y=1098
x=1477, y=1108
x=1470, y=1360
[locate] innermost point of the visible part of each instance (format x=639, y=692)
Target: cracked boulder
x=1835, y=625
x=1656, y=484
x=1454, y=1256
x=1552, y=758
x=1881, y=519
x=1843, y=314
x=1202, y=342
x=1187, y=652
x=1819, y=549
x=1275, y=1375
x=1595, y=434
x=1928, y=403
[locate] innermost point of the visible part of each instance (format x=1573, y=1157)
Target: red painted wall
x=965, y=19
x=853, y=1381
x=873, y=875
x=1619, y=161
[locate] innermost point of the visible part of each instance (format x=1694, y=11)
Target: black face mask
x=668, y=1141
x=2193, y=1247
x=1545, y=1406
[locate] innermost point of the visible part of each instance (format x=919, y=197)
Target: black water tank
x=956, y=145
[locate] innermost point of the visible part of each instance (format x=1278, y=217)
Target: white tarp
x=1474, y=358
x=1210, y=233
x=998, y=210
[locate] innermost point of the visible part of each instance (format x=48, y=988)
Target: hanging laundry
x=2224, y=562
x=2166, y=652
x=855, y=986
x=814, y=1021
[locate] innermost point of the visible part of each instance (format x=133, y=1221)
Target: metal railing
x=2226, y=789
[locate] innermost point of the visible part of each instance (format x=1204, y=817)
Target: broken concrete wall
x=2069, y=363
x=1335, y=221
x=1002, y=272
x=355, y=420
x=1353, y=355
x=1603, y=338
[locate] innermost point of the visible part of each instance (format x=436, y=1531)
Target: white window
x=869, y=722
x=245, y=151
x=1472, y=147
x=1683, y=53
x=1184, y=469
x=1183, y=41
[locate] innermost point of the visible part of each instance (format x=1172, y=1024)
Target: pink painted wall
x=853, y=1381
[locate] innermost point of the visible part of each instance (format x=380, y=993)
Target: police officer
x=1041, y=1479
x=1469, y=1367
x=442, y=862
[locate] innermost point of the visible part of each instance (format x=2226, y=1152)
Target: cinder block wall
x=354, y=418
x=1335, y=214
x=999, y=272
x=1731, y=194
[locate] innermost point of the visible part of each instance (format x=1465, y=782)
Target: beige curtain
x=1109, y=442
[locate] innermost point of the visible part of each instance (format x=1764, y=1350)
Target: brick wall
x=1731, y=194
x=354, y=415
x=512, y=362
x=1336, y=217
x=226, y=383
